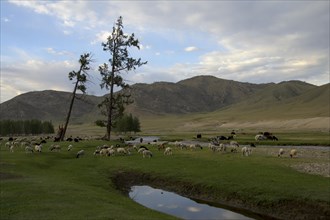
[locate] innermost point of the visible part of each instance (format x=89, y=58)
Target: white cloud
x=101, y=37
x=191, y=49
x=257, y=41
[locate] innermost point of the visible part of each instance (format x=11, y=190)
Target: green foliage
x=81, y=75
x=117, y=45
x=81, y=79
x=100, y=123
x=25, y=127
x=127, y=123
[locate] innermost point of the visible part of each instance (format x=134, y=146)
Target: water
x=145, y=140
x=179, y=206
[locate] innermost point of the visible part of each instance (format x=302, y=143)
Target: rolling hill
x=205, y=99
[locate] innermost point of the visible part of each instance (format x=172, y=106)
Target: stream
x=179, y=206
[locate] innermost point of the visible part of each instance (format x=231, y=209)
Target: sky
x=246, y=41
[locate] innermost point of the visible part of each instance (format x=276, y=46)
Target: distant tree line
x=126, y=123
x=25, y=127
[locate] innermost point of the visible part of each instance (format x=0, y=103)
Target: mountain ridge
x=200, y=94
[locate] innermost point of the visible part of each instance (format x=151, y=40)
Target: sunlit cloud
x=191, y=49
x=252, y=41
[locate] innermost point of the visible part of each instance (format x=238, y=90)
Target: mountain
x=49, y=105
x=197, y=94
x=211, y=96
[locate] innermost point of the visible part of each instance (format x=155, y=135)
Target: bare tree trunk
x=69, y=113
x=109, y=124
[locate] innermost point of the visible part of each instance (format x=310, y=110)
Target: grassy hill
x=198, y=103
x=50, y=105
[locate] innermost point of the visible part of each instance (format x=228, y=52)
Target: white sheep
x=293, y=153
x=11, y=148
x=38, y=148
x=70, y=147
x=8, y=144
x=280, y=152
x=28, y=149
x=246, y=151
x=192, y=147
x=96, y=152
x=80, y=153
x=103, y=151
x=168, y=151
x=121, y=150
x=212, y=147
x=111, y=152
x=147, y=153
x=234, y=146
x=222, y=147
x=55, y=147
x=260, y=137
x=140, y=151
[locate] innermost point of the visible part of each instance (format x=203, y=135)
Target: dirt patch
x=284, y=209
x=316, y=160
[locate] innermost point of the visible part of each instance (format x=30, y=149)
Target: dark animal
x=144, y=147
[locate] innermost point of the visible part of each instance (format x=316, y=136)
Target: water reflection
x=179, y=206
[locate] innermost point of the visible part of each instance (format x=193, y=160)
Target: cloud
x=58, y=53
x=253, y=41
x=191, y=49
x=35, y=74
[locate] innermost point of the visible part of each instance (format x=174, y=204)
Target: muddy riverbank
x=283, y=209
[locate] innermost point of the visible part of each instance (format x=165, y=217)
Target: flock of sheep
x=215, y=145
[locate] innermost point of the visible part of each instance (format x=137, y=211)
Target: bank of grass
x=54, y=185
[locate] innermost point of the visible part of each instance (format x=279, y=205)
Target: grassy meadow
x=57, y=185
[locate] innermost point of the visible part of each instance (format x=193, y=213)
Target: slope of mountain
x=197, y=94
x=48, y=105
x=215, y=98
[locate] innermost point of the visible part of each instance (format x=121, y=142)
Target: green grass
x=55, y=185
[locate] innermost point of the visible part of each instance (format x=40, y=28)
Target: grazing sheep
x=234, y=144
x=192, y=147
x=168, y=151
x=8, y=144
x=121, y=150
x=38, y=148
x=111, y=152
x=80, y=153
x=28, y=149
x=55, y=147
x=260, y=137
x=183, y=146
x=11, y=148
x=103, y=151
x=162, y=146
x=96, y=152
x=280, y=152
x=140, y=151
x=143, y=147
x=246, y=151
x=147, y=153
x=293, y=153
x=222, y=147
x=70, y=147
x=212, y=147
